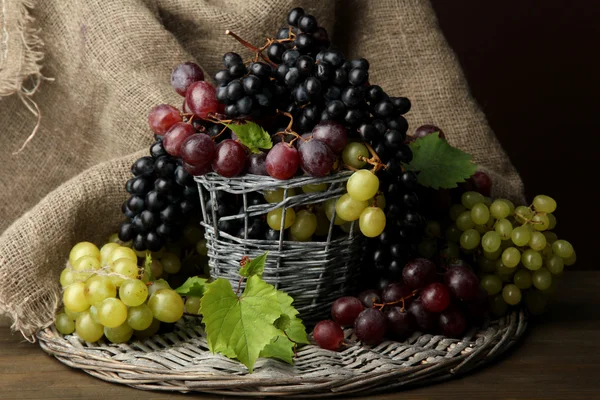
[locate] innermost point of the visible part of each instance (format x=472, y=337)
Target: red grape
x=256, y=164
x=198, y=150
x=282, y=161
x=201, y=99
x=426, y=321
x=329, y=335
x=163, y=117
x=345, y=310
x=332, y=133
x=425, y=130
x=369, y=326
x=482, y=183
x=316, y=158
x=175, y=137
x=462, y=282
x=452, y=322
x=370, y=296
x=197, y=170
x=230, y=158
x=419, y=273
x=184, y=75
x=400, y=324
x=435, y=297
x=394, y=292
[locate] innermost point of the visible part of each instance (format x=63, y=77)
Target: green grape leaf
x=240, y=327
x=147, y=264
x=439, y=165
x=283, y=322
x=252, y=136
x=280, y=347
x=194, y=286
x=254, y=267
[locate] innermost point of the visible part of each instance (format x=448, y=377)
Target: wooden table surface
x=559, y=358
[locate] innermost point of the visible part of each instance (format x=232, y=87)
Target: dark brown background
x=532, y=66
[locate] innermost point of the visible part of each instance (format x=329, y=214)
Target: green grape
x=542, y=278
x=511, y=257
x=114, y=238
x=86, y=264
x=82, y=249
x=571, y=260
x=112, y=312
x=504, y=228
x=535, y=301
x=551, y=237
x=427, y=248
x=106, y=251
x=464, y=221
x=329, y=209
x=98, y=288
x=480, y=214
x=94, y=314
x=192, y=305
x=551, y=221
x=74, y=297
x=349, y=209
x=481, y=229
x=372, y=221
x=456, y=210
x=173, y=248
x=171, y=263
x=315, y=188
x=522, y=279
x=500, y=209
x=491, y=242
x=498, y=306
x=274, y=218
x=140, y=253
x=201, y=247
x=122, y=252
x=304, y=226
x=520, y=236
x=292, y=238
x=469, y=199
x=470, y=239
x=492, y=284
x=543, y=203
x=537, y=241
x=487, y=201
x=192, y=234
x=67, y=277
x=555, y=265
x=547, y=252
x=362, y=185
x=64, y=324
x=380, y=201
x=166, y=305
x=511, y=294
x=120, y=334
x=433, y=229
x=156, y=286
x=133, y=292
x=504, y=272
x=157, y=268
x=323, y=223
x=276, y=196
x=532, y=259
x=523, y=214
x=87, y=329
x=450, y=250
x=453, y=234
x=72, y=314
x=486, y=265
x=139, y=317
x=150, y=331
x=562, y=248
x=540, y=222
x=352, y=152
x=126, y=268
x=553, y=286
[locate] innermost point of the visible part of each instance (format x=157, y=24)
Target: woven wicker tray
x=180, y=361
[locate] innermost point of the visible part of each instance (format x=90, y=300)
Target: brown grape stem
x=251, y=47
x=374, y=160
x=400, y=301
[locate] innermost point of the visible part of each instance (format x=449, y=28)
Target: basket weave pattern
x=180, y=361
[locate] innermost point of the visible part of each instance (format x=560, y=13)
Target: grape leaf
x=438, y=164
x=147, y=264
x=252, y=136
x=194, y=286
x=240, y=327
x=254, y=267
x=283, y=322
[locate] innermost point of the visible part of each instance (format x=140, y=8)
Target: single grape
x=277, y=195
x=315, y=188
x=540, y=222
x=470, y=239
x=543, y=203
x=419, y=273
x=462, y=282
x=120, y=334
x=452, y=322
x=522, y=279
x=480, y=214
x=500, y=209
x=328, y=335
x=425, y=130
x=555, y=264
x=156, y=286
x=330, y=208
x=370, y=326
x=106, y=251
x=400, y=323
x=192, y=305
x=370, y=297
x=570, y=260
x=133, y=292
x=491, y=241
x=352, y=152
x=163, y=117
x=523, y=214
x=469, y=199
x=282, y=161
x=426, y=321
x=345, y=310
x=332, y=133
x=183, y=75
x=372, y=221
x=348, y=208
x=542, y=279
x=125, y=268
x=112, y=312
x=87, y=329
x=175, y=136
x=316, y=158
x=257, y=164
x=492, y=284
x=395, y=292
x=86, y=266
x=362, y=185
x=521, y=236
x=532, y=259
x=511, y=294
x=563, y=249
x=551, y=221
x=139, y=317
x=511, y=257
x=64, y=324
x=82, y=249
x=74, y=297
x=504, y=273
x=274, y=218
x=537, y=241
x=148, y=332
x=201, y=99
x=122, y=252
x=198, y=150
x=551, y=237
x=230, y=158
x=166, y=305
x=68, y=276
x=435, y=297
x=456, y=210
x=98, y=288
x=171, y=263
x=464, y=221
x=304, y=225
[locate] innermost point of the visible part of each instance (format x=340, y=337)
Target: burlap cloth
x=109, y=63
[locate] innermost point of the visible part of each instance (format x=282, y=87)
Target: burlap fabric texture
x=109, y=63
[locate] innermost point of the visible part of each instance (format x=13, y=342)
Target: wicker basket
x=313, y=273
x=180, y=361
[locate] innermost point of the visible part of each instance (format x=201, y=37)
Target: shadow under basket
x=315, y=273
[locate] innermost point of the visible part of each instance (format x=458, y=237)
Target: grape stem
x=375, y=161
x=251, y=47
x=400, y=301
